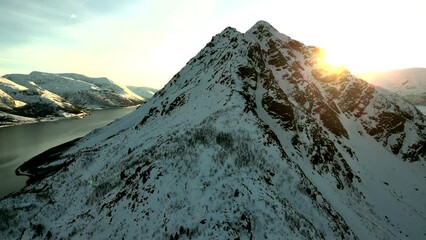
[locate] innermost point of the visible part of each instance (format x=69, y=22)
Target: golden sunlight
x=331, y=62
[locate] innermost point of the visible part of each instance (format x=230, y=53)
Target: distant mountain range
x=145, y=92
x=409, y=83
x=29, y=103
x=253, y=139
x=40, y=96
x=87, y=92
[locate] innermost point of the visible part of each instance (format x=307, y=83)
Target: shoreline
x=23, y=142
x=40, y=166
x=28, y=120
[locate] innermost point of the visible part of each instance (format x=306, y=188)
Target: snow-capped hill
x=80, y=90
x=31, y=101
x=31, y=94
x=252, y=139
x=6, y=101
x=144, y=92
x=409, y=83
x=105, y=83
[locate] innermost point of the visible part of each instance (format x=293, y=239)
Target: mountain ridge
x=409, y=83
x=145, y=92
x=251, y=139
x=23, y=104
x=81, y=90
x=48, y=96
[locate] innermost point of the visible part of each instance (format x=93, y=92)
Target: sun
x=331, y=61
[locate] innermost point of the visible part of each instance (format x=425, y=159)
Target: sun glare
x=331, y=62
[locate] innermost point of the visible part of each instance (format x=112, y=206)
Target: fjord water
x=20, y=143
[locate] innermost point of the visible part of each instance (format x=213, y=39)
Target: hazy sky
x=145, y=42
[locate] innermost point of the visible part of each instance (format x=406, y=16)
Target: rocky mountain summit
x=255, y=138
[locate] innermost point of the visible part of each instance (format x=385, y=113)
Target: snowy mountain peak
x=228, y=31
x=263, y=30
x=252, y=139
x=262, y=27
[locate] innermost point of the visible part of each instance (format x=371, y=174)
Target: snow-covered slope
x=422, y=108
x=252, y=139
x=409, y=83
x=31, y=102
x=6, y=101
x=80, y=90
x=144, y=92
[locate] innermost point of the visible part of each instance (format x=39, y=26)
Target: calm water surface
x=20, y=143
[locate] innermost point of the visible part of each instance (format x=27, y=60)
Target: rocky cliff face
x=254, y=138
